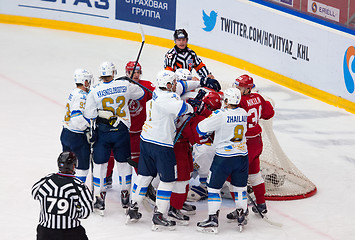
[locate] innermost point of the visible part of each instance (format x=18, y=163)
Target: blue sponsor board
x=157, y=13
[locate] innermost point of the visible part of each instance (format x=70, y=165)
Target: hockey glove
x=210, y=83
x=198, y=105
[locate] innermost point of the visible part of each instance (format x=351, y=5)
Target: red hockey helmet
x=245, y=81
x=213, y=101
x=130, y=66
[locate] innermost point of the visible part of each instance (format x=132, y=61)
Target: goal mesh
x=283, y=180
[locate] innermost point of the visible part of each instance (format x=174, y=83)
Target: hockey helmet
x=244, y=81
x=107, y=69
x=232, y=95
x=213, y=101
x=66, y=161
x=130, y=66
x=183, y=74
x=180, y=33
x=82, y=75
x=164, y=77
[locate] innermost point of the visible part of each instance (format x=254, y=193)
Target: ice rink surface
x=36, y=69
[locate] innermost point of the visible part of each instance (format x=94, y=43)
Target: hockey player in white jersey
x=231, y=158
x=107, y=102
x=157, y=153
x=73, y=137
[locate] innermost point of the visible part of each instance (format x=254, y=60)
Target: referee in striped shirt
x=63, y=200
x=181, y=56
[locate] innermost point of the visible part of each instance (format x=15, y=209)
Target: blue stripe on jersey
x=134, y=188
x=163, y=195
x=236, y=197
x=142, y=96
x=96, y=182
x=158, y=143
x=128, y=179
x=184, y=86
x=244, y=195
x=214, y=197
x=183, y=109
x=203, y=180
x=231, y=155
x=143, y=191
x=76, y=113
x=200, y=132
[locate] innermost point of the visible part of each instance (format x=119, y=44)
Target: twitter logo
x=209, y=21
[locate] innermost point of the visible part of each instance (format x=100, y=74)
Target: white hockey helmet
x=232, y=95
x=164, y=77
x=82, y=75
x=107, y=69
x=183, y=74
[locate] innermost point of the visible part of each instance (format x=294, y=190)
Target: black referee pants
x=77, y=233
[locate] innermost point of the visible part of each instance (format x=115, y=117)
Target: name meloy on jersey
x=111, y=90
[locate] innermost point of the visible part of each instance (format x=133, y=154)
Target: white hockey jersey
x=230, y=126
x=74, y=119
x=112, y=96
x=162, y=111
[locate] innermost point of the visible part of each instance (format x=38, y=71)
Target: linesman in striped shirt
x=180, y=56
x=64, y=199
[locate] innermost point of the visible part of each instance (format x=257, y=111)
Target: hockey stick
x=134, y=82
x=130, y=79
x=140, y=50
x=262, y=215
x=92, y=160
x=182, y=128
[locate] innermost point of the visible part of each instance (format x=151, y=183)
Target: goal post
x=283, y=180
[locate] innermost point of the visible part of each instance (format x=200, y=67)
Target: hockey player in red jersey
x=137, y=111
x=204, y=105
x=257, y=108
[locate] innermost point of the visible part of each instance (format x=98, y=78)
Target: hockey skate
x=161, y=223
x=189, y=209
x=176, y=215
x=241, y=218
x=210, y=225
x=132, y=213
x=232, y=216
x=261, y=208
x=125, y=199
x=99, y=205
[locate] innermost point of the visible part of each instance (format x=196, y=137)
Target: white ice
x=36, y=68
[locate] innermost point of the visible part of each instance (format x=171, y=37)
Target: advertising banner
x=284, y=44
x=158, y=13
x=299, y=50
x=323, y=10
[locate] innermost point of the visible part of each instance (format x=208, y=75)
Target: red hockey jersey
x=137, y=108
x=257, y=108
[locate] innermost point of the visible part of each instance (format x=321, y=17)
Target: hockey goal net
x=283, y=180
